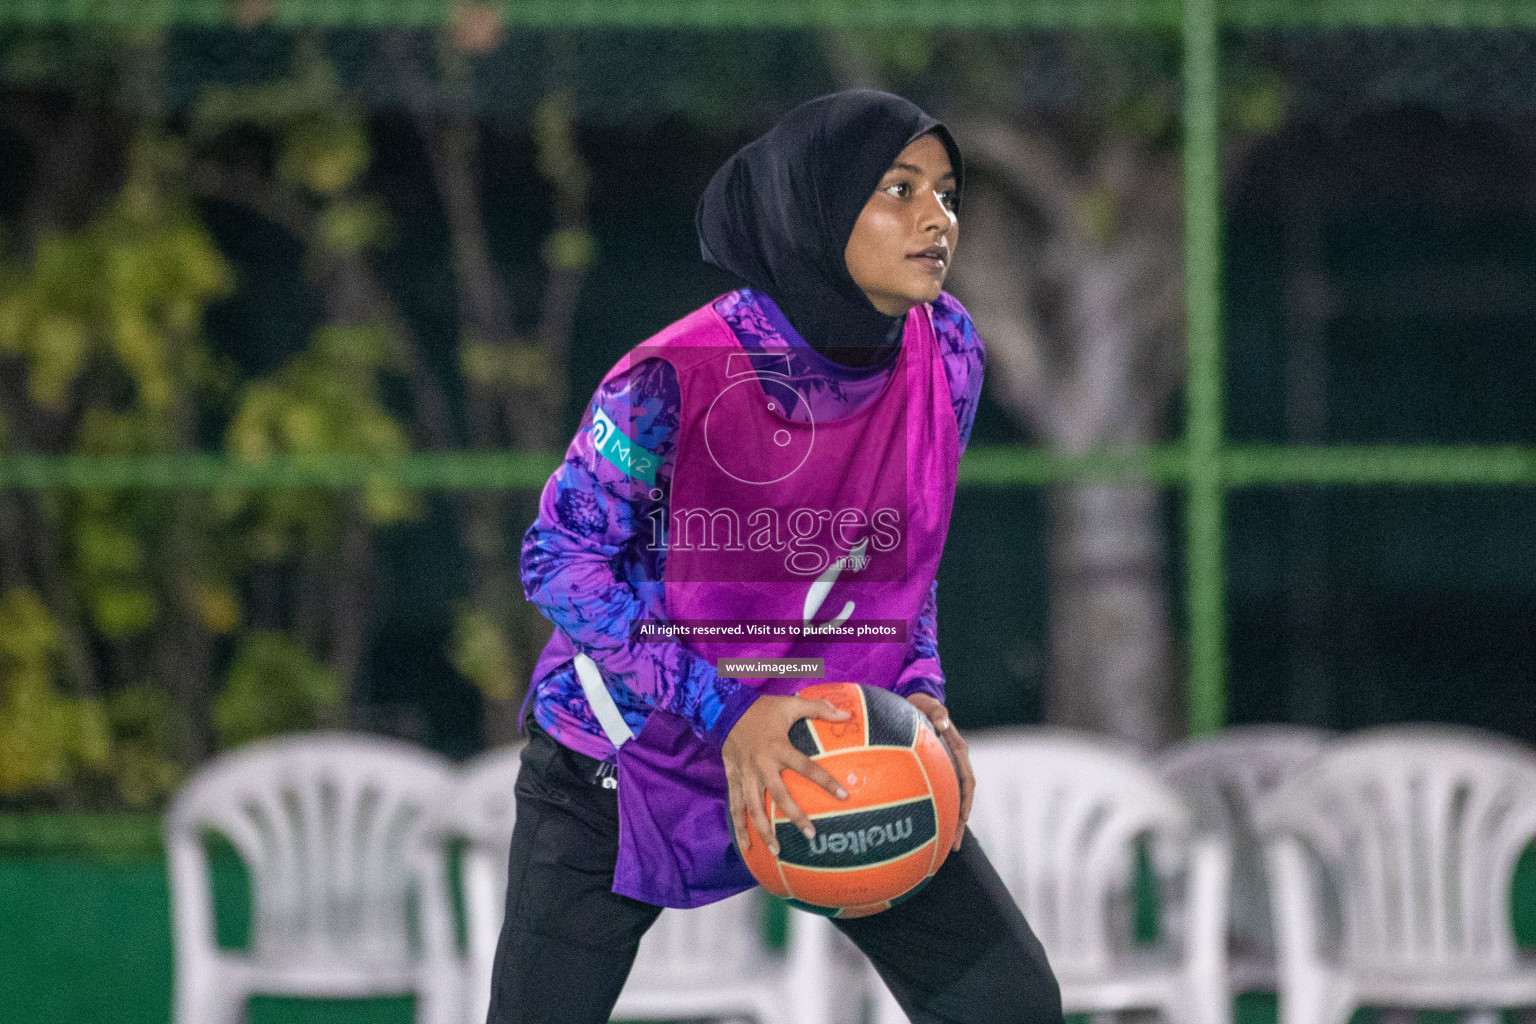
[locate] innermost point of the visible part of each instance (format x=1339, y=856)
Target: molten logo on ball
x=860, y=841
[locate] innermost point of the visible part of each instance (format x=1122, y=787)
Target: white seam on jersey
x=601, y=702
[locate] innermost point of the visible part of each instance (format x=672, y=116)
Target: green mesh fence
x=1206, y=464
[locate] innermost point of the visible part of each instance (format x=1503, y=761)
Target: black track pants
x=959, y=952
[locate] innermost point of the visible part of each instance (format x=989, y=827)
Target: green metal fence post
x=1206, y=579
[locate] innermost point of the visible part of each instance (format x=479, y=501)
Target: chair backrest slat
x=332, y=829
x=1422, y=826
x=1060, y=815
x=1224, y=777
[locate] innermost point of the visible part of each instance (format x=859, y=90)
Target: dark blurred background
x=265, y=243
x=418, y=194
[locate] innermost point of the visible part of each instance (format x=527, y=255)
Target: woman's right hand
x=757, y=751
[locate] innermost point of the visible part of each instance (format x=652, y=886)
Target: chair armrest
x=484, y=899
x=1205, y=950
x=196, y=942
x=1210, y=888
x=1316, y=989
x=1295, y=908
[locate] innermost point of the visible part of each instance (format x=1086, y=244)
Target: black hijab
x=779, y=213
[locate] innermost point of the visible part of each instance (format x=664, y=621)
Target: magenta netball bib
x=784, y=538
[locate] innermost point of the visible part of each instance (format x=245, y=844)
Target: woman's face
x=903, y=241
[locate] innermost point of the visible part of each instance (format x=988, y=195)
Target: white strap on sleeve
x=601, y=701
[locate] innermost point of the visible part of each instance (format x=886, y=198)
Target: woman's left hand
x=945, y=726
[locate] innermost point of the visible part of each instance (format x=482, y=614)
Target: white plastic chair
x=708, y=962
x=1222, y=777
x=483, y=811
x=1414, y=832
x=332, y=829
x=1060, y=815
x=712, y=962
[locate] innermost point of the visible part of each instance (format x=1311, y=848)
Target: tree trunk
x=1109, y=613
x=528, y=403
x=1096, y=373
x=65, y=173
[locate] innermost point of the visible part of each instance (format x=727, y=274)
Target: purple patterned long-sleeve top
x=586, y=567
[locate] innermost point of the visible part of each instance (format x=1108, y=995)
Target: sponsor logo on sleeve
x=631, y=459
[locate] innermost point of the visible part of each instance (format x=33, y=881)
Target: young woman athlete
x=785, y=454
